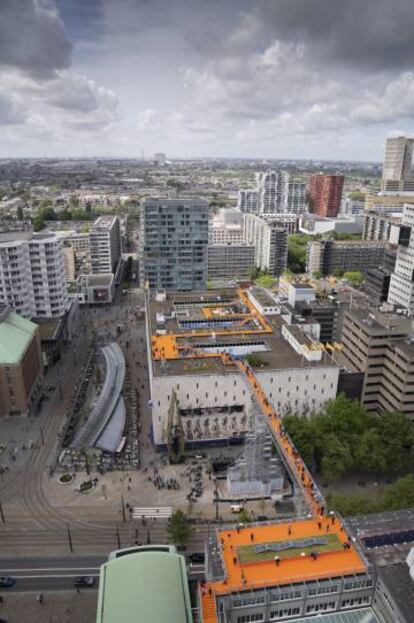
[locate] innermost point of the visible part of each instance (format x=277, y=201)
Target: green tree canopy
x=179, y=530
x=354, y=277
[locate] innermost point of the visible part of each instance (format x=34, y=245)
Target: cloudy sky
x=249, y=78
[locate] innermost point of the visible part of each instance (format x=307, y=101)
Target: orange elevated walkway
x=343, y=559
x=285, y=445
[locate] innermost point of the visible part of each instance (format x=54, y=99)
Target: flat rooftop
x=104, y=279
x=190, y=330
x=263, y=297
x=295, y=544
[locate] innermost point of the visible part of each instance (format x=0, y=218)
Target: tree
x=357, y=195
x=396, y=432
x=38, y=223
x=336, y=460
x=179, y=530
x=338, y=273
x=302, y=431
x=317, y=274
x=400, y=494
x=19, y=213
x=245, y=516
x=254, y=273
x=369, y=454
x=66, y=215
x=255, y=360
x=47, y=213
x=354, y=277
x=74, y=201
x=266, y=281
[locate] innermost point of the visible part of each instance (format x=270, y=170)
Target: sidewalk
x=57, y=607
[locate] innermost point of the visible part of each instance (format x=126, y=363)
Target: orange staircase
x=208, y=606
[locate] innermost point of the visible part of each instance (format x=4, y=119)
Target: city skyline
x=260, y=79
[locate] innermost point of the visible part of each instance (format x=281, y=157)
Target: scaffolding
x=257, y=471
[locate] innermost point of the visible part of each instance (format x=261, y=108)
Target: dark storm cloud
x=32, y=37
x=371, y=34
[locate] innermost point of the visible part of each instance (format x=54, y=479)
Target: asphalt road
x=57, y=573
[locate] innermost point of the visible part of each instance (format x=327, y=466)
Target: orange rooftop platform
x=244, y=570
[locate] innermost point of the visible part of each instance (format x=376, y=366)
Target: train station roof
x=148, y=586
x=16, y=333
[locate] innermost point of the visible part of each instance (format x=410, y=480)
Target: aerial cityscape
x=206, y=311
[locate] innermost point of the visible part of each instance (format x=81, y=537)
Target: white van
x=236, y=508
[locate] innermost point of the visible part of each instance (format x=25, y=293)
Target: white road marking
x=31, y=577
x=5, y=571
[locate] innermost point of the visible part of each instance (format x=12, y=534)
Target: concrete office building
x=105, y=245
x=173, y=244
x=251, y=578
x=377, y=223
x=312, y=225
x=228, y=261
x=352, y=207
x=401, y=292
x=248, y=201
x=144, y=583
x=397, y=170
x=325, y=194
x=194, y=392
x=294, y=194
x=270, y=186
x=20, y=363
x=326, y=256
x=269, y=240
x=388, y=203
x=285, y=221
x=379, y=345
x=160, y=159
x=32, y=274
x=226, y=227
x=377, y=284
x=276, y=193
x=326, y=312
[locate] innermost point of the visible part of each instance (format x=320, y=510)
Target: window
x=250, y=618
x=284, y=612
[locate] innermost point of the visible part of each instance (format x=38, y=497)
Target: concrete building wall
x=226, y=261
x=32, y=275
x=325, y=192
x=327, y=256
x=270, y=242
x=401, y=290
x=397, y=172
x=297, y=390
x=173, y=246
x=16, y=285
x=105, y=244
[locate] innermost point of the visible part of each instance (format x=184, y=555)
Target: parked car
x=84, y=580
x=7, y=582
